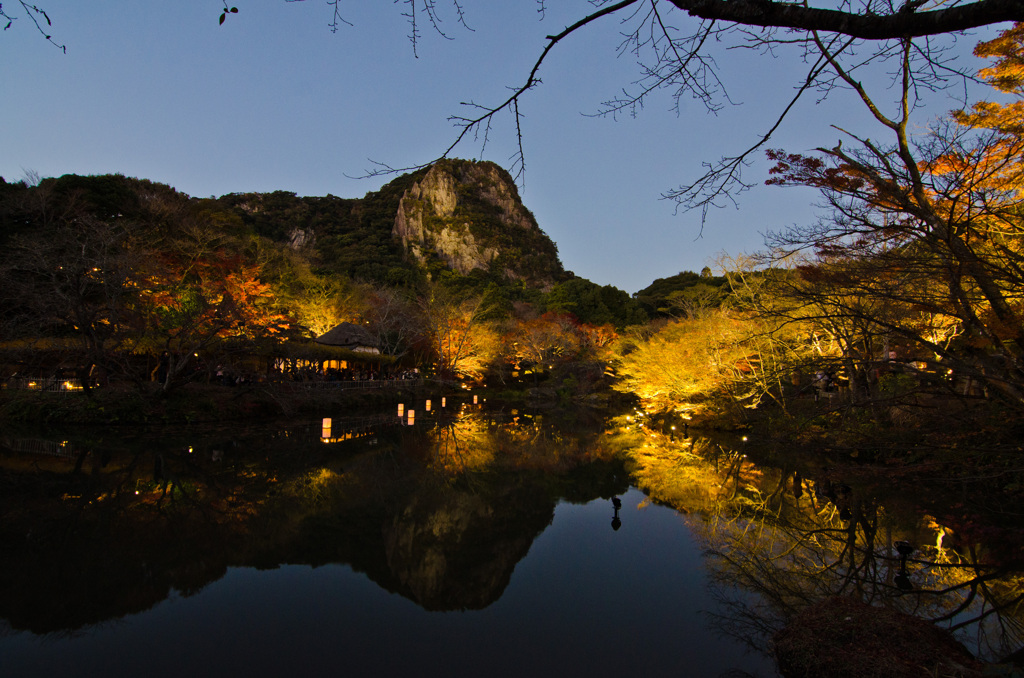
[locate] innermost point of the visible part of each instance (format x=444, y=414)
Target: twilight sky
x=272, y=100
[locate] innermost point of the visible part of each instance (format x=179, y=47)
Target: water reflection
x=794, y=536
x=439, y=512
x=794, y=554
x=442, y=511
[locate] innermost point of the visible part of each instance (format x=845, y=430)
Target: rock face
x=468, y=215
x=299, y=238
x=457, y=214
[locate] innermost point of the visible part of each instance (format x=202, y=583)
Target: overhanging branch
x=904, y=23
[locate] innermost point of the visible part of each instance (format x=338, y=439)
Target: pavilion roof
x=347, y=335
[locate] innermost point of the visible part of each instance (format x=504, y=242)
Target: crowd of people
x=309, y=373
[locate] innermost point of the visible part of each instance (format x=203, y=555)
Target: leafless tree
x=676, y=45
x=76, y=283
x=394, y=319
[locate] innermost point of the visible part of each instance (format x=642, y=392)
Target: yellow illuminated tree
x=462, y=343
x=683, y=363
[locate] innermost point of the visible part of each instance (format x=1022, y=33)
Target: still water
x=584, y=600
x=468, y=542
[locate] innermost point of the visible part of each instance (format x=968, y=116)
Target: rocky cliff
x=458, y=214
x=469, y=216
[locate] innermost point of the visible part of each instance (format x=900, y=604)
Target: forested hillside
x=108, y=272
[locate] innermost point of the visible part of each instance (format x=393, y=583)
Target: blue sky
x=272, y=100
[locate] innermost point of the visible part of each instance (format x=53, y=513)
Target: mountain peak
x=469, y=215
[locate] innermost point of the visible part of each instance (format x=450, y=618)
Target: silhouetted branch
x=34, y=13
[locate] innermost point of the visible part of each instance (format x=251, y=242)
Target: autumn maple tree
x=200, y=293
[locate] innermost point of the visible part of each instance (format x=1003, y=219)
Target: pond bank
x=198, y=403
x=844, y=638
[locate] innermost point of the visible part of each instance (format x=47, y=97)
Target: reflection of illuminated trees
x=792, y=553
x=460, y=446
x=680, y=476
x=440, y=513
x=488, y=491
x=523, y=442
x=778, y=543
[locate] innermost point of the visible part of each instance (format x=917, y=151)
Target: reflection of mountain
x=81, y=549
x=457, y=550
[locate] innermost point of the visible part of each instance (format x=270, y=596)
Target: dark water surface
x=468, y=544
x=472, y=542
x=585, y=600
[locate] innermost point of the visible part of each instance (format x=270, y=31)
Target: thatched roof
x=350, y=336
x=310, y=350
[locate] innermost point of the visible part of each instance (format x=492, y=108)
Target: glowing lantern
x=325, y=431
x=401, y=409
x=428, y=406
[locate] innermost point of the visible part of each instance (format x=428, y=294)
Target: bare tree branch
x=34, y=13
x=479, y=126
x=905, y=22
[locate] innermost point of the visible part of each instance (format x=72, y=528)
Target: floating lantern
x=428, y=406
x=443, y=401
x=475, y=399
x=325, y=431
x=401, y=409
x=412, y=417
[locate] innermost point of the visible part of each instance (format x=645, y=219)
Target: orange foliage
x=214, y=296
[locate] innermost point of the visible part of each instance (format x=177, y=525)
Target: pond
x=471, y=541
